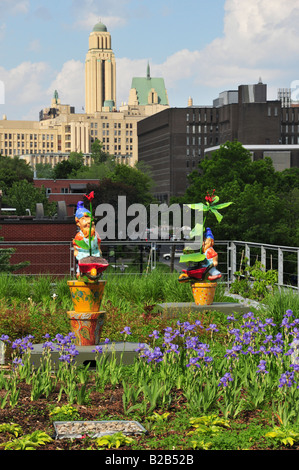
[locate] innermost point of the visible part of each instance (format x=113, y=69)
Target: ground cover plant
x=208, y=382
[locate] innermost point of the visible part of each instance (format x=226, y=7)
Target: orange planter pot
x=87, y=327
x=204, y=292
x=87, y=296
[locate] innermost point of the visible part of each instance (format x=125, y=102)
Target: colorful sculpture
x=87, y=244
x=87, y=290
x=202, y=270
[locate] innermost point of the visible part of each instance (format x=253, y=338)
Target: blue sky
x=200, y=48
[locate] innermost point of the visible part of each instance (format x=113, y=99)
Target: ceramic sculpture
x=202, y=272
x=87, y=290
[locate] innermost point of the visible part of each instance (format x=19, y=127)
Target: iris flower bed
x=190, y=389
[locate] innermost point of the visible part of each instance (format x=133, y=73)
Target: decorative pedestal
x=204, y=292
x=87, y=327
x=87, y=319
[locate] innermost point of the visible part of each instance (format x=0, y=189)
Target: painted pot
x=204, y=292
x=87, y=327
x=87, y=296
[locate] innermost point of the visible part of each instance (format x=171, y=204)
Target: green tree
x=44, y=170
x=98, y=155
x=5, y=265
x=137, y=179
x=97, y=170
x=13, y=169
x=23, y=195
x=265, y=201
x=69, y=168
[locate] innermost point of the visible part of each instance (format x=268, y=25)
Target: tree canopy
x=24, y=195
x=13, y=169
x=266, y=202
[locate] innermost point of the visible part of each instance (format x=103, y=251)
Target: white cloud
x=260, y=39
x=70, y=84
x=126, y=69
x=24, y=82
x=24, y=87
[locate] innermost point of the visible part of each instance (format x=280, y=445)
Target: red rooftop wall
x=46, y=244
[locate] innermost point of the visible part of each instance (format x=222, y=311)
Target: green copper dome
x=100, y=27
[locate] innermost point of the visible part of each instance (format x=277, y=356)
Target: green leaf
x=196, y=231
x=196, y=257
x=198, y=207
x=217, y=214
x=223, y=205
x=288, y=440
x=82, y=244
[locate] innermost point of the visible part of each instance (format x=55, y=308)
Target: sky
x=199, y=47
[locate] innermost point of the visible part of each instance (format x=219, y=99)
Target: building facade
x=60, y=130
x=174, y=141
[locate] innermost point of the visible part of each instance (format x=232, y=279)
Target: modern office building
x=60, y=130
x=174, y=141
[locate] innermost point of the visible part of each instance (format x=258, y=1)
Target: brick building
x=69, y=191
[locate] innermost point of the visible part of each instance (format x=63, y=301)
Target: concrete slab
x=77, y=429
x=172, y=309
x=124, y=350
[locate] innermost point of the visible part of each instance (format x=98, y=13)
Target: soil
x=102, y=406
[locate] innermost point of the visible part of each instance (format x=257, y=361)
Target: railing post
x=263, y=258
x=247, y=254
x=233, y=261
x=280, y=267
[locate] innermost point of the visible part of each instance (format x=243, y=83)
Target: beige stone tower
x=100, y=72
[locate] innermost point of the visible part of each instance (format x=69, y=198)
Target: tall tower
x=100, y=72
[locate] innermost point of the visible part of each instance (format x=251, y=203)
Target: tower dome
x=100, y=27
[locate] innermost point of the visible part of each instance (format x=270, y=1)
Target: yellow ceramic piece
x=87, y=296
x=204, y=292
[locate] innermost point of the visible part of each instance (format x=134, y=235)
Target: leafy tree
x=68, y=168
x=23, y=195
x=96, y=170
x=44, y=170
x=5, y=265
x=14, y=169
x=266, y=203
x=137, y=179
x=98, y=155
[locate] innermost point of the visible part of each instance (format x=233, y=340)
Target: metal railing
x=136, y=257
x=284, y=259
